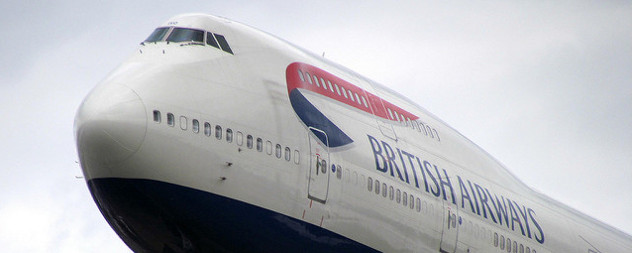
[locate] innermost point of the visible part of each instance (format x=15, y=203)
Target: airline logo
x=302, y=76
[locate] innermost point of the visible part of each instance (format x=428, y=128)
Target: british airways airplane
x=215, y=136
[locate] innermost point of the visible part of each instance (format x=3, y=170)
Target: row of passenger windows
x=177, y=34
x=229, y=135
x=414, y=124
x=511, y=246
x=362, y=101
x=415, y=203
x=399, y=196
x=348, y=94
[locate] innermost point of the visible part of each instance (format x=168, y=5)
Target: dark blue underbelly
x=153, y=216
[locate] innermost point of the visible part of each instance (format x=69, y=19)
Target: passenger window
x=278, y=150
x=229, y=135
x=377, y=186
x=398, y=196
x=158, y=34
x=195, y=126
x=207, y=129
x=223, y=43
x=331, y=87
x=240, y=138
x=249, y=141
x=508, y=244
x=358, y=99
x=186, y=34
x=495, y=239
x=390, y=113
x=287, y=153
x=344, y=92
x=404, y=199
x=528, y=249
x=364, y=102
x=218, y=132
x=297, y=157
x=521, y=248
x=502, y=242
x=157, y=116
x=308, y=77
x=416, y=125
x=418, y=204
x=269, y=147
x=338, y=172
x=422, y=126
x=351, y=96
x=210, y=40
x=391, y=193
x=412, y=202
x=316, y=80
x=259, y=144
x=183, y=123
x=337, y=89
x=384, y=190
x=170, y=119
x=515, y=247
x=437, y=134
x=370, y=184
x=361, y=179
x=300, y=74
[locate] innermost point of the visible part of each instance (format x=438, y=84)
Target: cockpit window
x=192, y=36
x=158, y=34
x=211, y=40
x=185, y=34
x=223, y=43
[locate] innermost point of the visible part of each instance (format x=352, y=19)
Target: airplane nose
x=110, y=127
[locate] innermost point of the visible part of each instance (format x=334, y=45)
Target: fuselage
x=215, y=136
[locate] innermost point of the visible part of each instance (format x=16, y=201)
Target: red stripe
x=374, y=104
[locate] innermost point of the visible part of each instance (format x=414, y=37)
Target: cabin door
x=451, y=221
x=318, y=183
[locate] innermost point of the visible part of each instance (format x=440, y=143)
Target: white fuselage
x=219, y=148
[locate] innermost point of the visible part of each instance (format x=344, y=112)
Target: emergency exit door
x=451, y=223
x=318, y=183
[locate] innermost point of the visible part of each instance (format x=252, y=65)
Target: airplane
x=217, y=137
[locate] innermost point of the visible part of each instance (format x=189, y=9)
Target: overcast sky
x=544, y=87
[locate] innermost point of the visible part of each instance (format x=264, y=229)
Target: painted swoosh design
x=302, y=76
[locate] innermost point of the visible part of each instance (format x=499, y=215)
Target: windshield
x=185, y=34
x=157, y=34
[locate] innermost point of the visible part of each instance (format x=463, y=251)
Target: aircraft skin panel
x=190, y=146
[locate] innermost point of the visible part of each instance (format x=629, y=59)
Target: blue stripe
x=153, y=216
x=312, y=117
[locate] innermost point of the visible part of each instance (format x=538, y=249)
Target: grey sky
x=546, y=88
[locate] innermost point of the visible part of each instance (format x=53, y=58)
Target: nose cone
x=110, y=127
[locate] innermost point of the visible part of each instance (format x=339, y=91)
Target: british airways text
x=468, y=195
